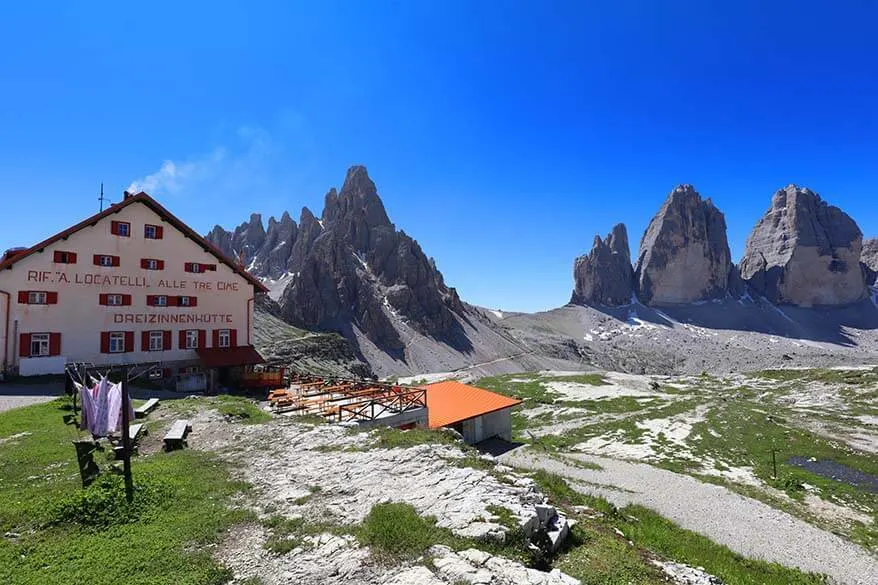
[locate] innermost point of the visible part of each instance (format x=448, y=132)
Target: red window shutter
x=187, y=267
x=129, y=341
x=105, y=342
x=96, y=259
x=114, y=228
x=150, y=300
x=166, y=341
x=193, y=301
x=211, y=267
x=202, y=338
x=54, y=344
x=57, y=256
x=24, y=345
x=144, y=341
x=144, y=263
x=159, y=232
x=51, y=298
x=233, y=338
x=102, y=299
x=22, y=296
x=172, y=301
x=215, y=338
x=71, y=257
x=182, y=339
x=160, y=264
x=126, y=300
x=115, y=260
x=166, y=373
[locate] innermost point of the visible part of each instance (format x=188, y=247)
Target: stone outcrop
x=351, y=268
x=869, y=258
x=684, y=254
x=604, y=276
x=804, y=252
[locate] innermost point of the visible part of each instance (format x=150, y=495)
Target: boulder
x=604, y=276
x=684, y=254
x=804, y=252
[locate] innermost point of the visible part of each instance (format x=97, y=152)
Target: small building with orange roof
x=475, y=413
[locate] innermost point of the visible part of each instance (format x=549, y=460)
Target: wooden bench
x=176, y=436
x=134, y=433
x=145, y=408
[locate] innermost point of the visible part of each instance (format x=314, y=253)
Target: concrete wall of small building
x=223, y=295
x=495, y=424
x=417, y=417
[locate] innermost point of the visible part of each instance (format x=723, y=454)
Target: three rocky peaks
x=802, y=252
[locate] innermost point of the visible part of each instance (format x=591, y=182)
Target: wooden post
x=126, y=440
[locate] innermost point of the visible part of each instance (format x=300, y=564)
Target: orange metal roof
x=452, y=402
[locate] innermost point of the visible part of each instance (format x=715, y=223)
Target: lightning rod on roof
x=102, y=198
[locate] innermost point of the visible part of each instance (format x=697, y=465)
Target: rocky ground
x=313, y=484
x=720, y=336
x=698, y=449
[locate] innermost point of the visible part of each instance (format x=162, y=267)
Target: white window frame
x=152, y=264
x=115, y=300
x=117, y=342
x=184, y=301
x=124, y=229
x=41, y=341
x=37, y=297
x=105, y=260
x=195, y=268
x=224, y=334
x=192, y=339
x=194, y=370
x=150, y=232
x=156, y=341
x=161, y=300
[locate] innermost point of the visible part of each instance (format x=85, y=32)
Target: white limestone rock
x=684, y=254
x=804, y=252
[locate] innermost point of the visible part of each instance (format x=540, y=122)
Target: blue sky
x=502, y=135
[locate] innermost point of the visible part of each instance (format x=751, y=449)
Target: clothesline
x=102, y=406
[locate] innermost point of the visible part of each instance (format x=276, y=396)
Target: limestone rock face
x=272, y=257
x=684, y=254
x=869, y=258
x=351, y=267
x=604, y=276
x=804, y=252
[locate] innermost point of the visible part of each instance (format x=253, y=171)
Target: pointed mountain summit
x=684, y=254
x=604, y=276
x=351, y=269
x=804, y=252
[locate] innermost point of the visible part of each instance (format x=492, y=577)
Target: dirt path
x=747, y=526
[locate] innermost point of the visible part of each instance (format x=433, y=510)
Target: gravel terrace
x=747, y=526
x=15, y=395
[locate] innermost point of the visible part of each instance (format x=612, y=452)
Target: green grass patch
x=520, y=386
x=598, y=557
x=590, y=379
x=241, y=409
x=70, y=535
x=388, y=438
x=396, y=532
